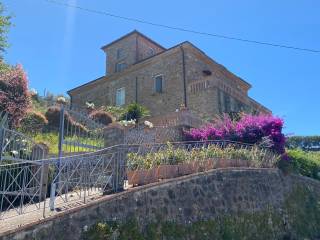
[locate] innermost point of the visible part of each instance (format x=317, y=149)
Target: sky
x=59, y=47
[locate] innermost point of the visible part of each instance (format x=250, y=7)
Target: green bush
x=305, y=163
x=134, y=111
x=101, y=116
x=34, y=122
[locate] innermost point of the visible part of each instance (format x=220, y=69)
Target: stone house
x=140, y=70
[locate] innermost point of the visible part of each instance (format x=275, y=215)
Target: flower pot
x=221, y=163
x=242, y=163
x=142, y=177
x=208, y=164
x=168, y=171
x=186, y=169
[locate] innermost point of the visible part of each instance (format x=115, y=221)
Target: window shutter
x=158, y=84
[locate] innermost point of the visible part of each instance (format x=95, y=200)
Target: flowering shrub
x=249, y=129
x=14, y=96
x=61, y=100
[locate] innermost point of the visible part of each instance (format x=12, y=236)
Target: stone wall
x=134, y=47
x=167, y=128
x=208, y=94
x=139, y=83
x=160, y=134
x=199, y=198
x=115, y=135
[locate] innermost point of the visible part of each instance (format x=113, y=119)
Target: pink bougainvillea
x=14, y=96
x=249, y=129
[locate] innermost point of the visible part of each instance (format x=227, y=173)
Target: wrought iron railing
x=17, y=147
x=57, y=183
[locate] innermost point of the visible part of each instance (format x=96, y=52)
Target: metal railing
x=15, y=146
x=79, y=177
x=78, y=132
x=22, y=188
x=55, y=184
x=154, y=162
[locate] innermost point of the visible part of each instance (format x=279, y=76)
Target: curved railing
x=55, y=183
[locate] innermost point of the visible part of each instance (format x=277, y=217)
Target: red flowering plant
x=14, y=95
x=249, y=129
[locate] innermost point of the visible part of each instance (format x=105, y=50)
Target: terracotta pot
x=142, y=177
x=168, y=171
x=221, y=163
x=186, y=169
x=242, y=163
x=208, y=164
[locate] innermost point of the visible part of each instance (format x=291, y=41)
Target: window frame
x=120, y=53
x=155, y=83
x=119, y=90
x=118, y=64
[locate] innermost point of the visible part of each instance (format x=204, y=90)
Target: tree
x=5, y=23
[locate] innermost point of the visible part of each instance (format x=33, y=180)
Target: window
x=120, y=66
x=206, y=72
x=227, y=103
x=150, y=52
x=120, y=53
x=120, y=96
x=159, y=83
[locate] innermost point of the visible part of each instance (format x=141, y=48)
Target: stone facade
x=166, y=128
x=197, y=198
x=189, y=77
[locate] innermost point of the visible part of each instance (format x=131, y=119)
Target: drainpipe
x=136, y=89
x=137, y=49
x=184, y=76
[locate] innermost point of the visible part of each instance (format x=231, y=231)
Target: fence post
x=55, y=183
x=120, y=168
x=2, y=135
x=61, y=133
x=44, y=185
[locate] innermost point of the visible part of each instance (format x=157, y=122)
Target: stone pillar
x=114, y=135
x=39, y=151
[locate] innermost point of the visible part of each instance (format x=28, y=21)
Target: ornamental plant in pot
x=140, y=170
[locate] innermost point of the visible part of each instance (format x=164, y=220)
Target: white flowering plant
x=126, y=123
x=148, y=124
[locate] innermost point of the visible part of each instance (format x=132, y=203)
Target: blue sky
x=59, y=47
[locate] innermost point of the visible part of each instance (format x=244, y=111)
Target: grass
x=51, y=139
